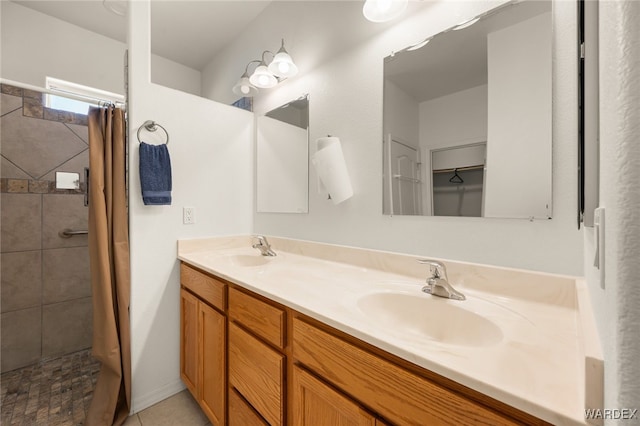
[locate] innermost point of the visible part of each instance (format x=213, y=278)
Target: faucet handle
x=437, y=269
x=261, y=240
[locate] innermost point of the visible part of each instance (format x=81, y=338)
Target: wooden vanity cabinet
x=387, y=387
x=250, y=361
x=202, y=341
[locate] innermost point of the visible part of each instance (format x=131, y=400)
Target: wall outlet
x=188, y=215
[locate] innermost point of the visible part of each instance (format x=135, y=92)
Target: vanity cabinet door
x=211, y=329
x=189, y=341
x=316, y=404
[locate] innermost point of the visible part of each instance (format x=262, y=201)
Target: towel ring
x=152, y=126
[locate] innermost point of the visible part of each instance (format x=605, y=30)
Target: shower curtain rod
x=92, y=101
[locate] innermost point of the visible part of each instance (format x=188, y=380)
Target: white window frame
x=79, y=92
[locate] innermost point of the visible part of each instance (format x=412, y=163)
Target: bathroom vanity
x=324, y=334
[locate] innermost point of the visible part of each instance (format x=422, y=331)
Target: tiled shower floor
x=52, y=393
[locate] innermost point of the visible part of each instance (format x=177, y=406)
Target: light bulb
x=383, y=5
x=383, y=10
x=262, y=77
x=466, y=24
x=244, y=87
x=283, y=67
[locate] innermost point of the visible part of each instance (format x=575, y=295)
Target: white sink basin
x=424, y=316
x=249, y=260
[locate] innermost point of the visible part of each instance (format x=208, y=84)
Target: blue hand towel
x=155, y=174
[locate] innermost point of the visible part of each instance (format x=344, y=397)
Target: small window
x=91, y=94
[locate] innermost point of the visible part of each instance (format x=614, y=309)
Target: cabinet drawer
x=206, y=287
x=257, y=372
x=261, y=318
x=241, y=413
x=393, y=392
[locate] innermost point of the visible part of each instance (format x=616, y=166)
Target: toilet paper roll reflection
x=332, y=169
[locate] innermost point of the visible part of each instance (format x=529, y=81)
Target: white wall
x=519, y=149
x=212, y=165
x=35, y=45
x=346, y=101
x=281, y=167
x=402, y=116
x=456, y=119
x=176, y=76
x=616, y=307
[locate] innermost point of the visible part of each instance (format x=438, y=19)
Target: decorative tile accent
x=39, y=186
x=59, y=115
x=32, y=94
x=17, y=185
x=32, y=108
x=52, y=393
x=10, y=90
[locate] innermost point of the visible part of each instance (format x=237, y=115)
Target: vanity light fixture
x=282, y=65
x=119, y=7
x=244, y=87
x=266, y=74
x=383, y=10
x=418, y=45
x=262, y=76
x=466, y=24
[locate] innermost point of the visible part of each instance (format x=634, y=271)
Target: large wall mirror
x=282, y=158
x=467, y=118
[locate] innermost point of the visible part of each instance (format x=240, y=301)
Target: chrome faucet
x=263, y=245
x=437, y=283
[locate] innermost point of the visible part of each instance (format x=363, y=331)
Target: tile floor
x=179, y=410
x=58, y=392
x=53, y=392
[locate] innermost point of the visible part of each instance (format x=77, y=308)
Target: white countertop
x=535, y=363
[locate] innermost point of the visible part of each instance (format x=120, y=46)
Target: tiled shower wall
x=45, y=303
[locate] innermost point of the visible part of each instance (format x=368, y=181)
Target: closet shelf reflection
x=460, y=169
x=406, y=178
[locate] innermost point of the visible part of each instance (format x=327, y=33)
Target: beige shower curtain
x=109, y=261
